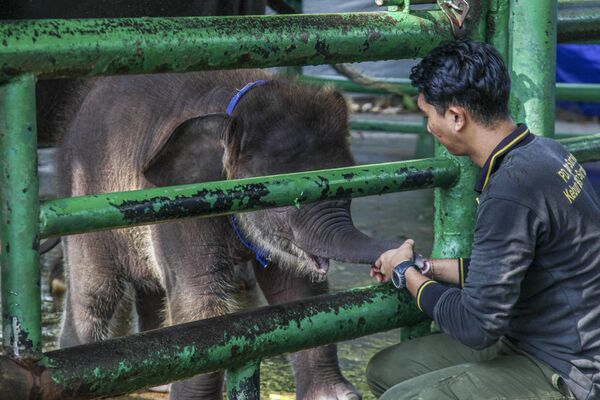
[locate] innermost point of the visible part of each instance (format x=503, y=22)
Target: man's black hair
x=468, y=74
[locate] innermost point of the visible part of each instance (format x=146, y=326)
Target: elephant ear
x=192, y=153
x=233, y=142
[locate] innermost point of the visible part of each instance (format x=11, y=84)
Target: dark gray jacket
x=534, y=274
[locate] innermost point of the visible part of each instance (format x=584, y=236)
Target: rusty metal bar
x=585, y=92
x=140, y=207
x=91, y=47
x=388, y=126
x=579, y=21
x=19, y=213
x=243, y=383
x=155, y=357
x=584, y=148
x=532, y=63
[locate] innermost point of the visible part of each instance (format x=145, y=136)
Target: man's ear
x=191, y=153
x=457, y=117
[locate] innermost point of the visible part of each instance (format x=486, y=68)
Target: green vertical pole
x=19, y=211
x=532, y=59
x=455, y=207
x=498, y=28
x=243, y=383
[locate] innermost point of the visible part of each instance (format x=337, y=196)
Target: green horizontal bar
x=579, y=22
x=403, y=84
x=140, y=207
x=587, y=92
x=90, y=47
x=155, y=357
x=584, y=92
x=584, y=148
x=387, y=126
x=415, y=127
x=382, y=3
x=569, y=135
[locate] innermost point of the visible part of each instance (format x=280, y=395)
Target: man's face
x=440, y=126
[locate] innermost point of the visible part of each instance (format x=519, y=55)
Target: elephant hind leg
x=93, y=295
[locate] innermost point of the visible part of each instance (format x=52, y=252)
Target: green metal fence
x=31, y=50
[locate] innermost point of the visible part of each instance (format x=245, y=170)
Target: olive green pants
x=437, y=367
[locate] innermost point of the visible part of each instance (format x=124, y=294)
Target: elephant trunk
x=327, y=230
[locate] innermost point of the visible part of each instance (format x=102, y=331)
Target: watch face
x=398, y=273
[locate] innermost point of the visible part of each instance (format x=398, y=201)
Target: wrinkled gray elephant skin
x=135, y=132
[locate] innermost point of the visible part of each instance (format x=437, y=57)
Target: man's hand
x=381, y=271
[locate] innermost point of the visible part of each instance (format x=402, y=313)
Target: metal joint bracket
x=456, y=11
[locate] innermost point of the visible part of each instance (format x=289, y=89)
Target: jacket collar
x=517, y=138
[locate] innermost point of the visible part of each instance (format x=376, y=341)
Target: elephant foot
x=340, y=389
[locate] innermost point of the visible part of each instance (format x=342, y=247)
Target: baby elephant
x=136, y=132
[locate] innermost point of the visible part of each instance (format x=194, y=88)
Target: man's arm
x=447, y=270
x=503, y=249
x=444, y=270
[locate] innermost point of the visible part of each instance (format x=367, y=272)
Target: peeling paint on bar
x=124, y=364
x=19, y=212
x=92, y=47
x=113, y=210
x=532, y=96
x=243, y=383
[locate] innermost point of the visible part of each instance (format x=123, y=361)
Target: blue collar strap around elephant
x=234, y=100
x=260, y=254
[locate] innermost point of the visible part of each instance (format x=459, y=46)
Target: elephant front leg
x=316, y=371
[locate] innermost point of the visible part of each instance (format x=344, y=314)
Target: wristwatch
x=398, y=278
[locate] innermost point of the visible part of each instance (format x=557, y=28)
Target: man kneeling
x=524, y=320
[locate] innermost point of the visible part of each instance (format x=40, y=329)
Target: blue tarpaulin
x=578, y=63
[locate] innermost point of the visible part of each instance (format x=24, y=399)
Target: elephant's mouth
x=291, y=254
x=320, y=264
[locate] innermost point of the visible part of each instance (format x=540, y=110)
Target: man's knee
x=505, y=377
x=377, y=372
x=393, y=365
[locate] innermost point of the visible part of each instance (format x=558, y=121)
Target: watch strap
x=398, y=278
